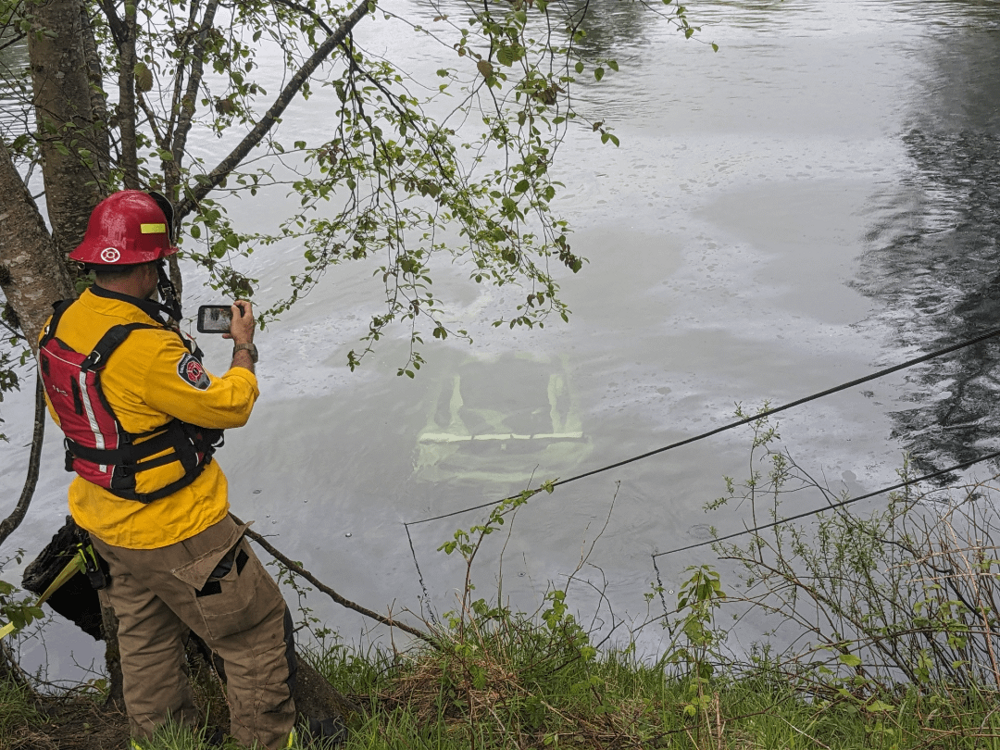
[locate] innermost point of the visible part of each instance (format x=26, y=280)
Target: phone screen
x=214, y=318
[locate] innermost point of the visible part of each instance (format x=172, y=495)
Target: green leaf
x=850, y=660
x=598, y=73
x=143, y=77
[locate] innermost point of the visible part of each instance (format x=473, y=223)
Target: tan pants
x=158, y=595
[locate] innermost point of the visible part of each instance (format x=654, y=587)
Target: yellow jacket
x=145, y=388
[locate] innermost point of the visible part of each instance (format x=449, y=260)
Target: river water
x=815, y=201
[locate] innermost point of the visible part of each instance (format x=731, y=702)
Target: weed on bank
x=450, y=701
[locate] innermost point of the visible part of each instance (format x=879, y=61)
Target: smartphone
x=214, y=318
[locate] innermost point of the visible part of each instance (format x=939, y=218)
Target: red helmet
x=127, y=228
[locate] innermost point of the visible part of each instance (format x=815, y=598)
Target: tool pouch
x=76, y=599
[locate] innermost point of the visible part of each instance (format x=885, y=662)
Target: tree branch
x=299, y=570
x=184, y=105
x=115, y=24
x=306, y=11
x=11, y=522
x=10, y=41
x=207, y=183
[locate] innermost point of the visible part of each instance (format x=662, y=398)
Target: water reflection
x=762, y=15
x=14, y=109
x=611, y=26
x=936, y=258
x=944, y=14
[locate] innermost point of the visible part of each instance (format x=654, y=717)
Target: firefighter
x=142, y=419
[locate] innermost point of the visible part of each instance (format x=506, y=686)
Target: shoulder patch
x=193, y=373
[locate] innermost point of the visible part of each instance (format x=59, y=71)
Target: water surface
x=813, y=202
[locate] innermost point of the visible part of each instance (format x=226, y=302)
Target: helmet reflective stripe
x=153, y=228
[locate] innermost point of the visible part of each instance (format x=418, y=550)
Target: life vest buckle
x=69, y=454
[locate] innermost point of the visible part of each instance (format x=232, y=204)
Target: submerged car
x=513, y=418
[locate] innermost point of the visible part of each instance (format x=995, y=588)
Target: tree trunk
x=126, y=101
x=98, y=103
x=68, y=135
x=314, y=696
x=32, y=273
x=112, y=659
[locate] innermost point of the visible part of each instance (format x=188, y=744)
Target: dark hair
x=114, y=273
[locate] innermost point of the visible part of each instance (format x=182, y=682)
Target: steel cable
x=832, y=506
x=739, y=423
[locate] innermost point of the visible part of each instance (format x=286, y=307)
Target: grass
x=17, y=710
x=518, y=689
x=414, y=702
x=71, y=720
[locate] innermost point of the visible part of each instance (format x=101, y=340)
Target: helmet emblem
x=110, y=255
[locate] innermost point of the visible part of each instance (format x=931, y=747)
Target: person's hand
x=242, y=326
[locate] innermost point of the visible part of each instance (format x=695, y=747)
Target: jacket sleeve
x=177, y=384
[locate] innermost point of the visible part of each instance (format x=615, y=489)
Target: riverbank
x=846, y=629
x=533, y=689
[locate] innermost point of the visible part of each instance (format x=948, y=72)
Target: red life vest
x=97, y=447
